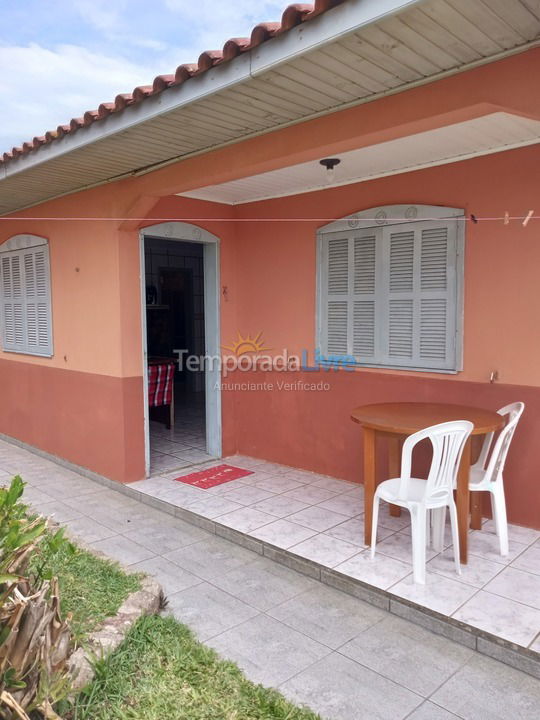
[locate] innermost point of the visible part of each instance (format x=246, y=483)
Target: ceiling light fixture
x=330, y=164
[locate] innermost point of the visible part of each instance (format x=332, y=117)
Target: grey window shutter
x=388, y=294
x=12, y=303
x=38, y=317
x=337, y=296
x=421, y=300
x=26, y=301
x=400, y=301
x=364, y=286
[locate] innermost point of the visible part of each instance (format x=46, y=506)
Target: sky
x=59, y=58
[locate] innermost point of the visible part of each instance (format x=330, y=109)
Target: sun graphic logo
x=248, y=344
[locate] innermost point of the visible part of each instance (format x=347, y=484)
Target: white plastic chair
x=487, y=472
x=419, y=496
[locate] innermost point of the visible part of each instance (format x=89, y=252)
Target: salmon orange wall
x=276, y=289
x=85, y=404
x=269, y=270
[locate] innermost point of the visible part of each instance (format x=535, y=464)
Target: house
x=411, y=266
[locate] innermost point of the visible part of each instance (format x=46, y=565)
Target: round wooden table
x=397, y=420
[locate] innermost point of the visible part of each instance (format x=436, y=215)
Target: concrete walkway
x=343, y=658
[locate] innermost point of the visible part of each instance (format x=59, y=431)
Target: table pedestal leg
x=476, y=510
x=462, y=498
x=394, y=447
x=369, y=481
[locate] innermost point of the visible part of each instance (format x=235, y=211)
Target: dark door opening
x=175, y=327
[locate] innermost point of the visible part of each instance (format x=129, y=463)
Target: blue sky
x=59, y=58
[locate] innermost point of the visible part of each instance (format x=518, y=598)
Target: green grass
x=91, y=588
x=160, y=672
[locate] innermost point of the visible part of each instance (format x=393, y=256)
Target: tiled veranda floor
x=346, y=659
x=185, y=443
x=321, y=519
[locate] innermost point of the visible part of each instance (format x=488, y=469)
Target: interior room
x=174, y=283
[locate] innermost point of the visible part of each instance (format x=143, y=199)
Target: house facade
x=410, y=274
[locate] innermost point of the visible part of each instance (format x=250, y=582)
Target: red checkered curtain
x=160, y=384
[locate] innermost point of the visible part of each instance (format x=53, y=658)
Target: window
x=25, y=296
x=390, y=287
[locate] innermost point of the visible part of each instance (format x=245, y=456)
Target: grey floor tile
x=382, y=571
x=283, y=533
x=347, y=504
x=439, y=593
x=171, y=577
x=212, y=506
x=477, y=572
x=36, y=497
x=310, y=494
x=277, y=484
x=340, y=689
x=352, y=531
x=248, y=495
x=264, y=584
x=280, y=506
x=245, y=519
x=88, y=530
x=208, y=611
x=57, y=510
x=327, y=615
x=268, y=651
x=430, y=711
x=318, y=518
x=529, y=560
x=486, y=545
x=399, y=546
x=501, y=616
x=516, y=533
x=408, y=654
x=166, y=536
x=211, y=557
x=325, y=550
x=518, y=585
x=485, y=688
x=70, y=488
x=330, y=483
x=125, y=551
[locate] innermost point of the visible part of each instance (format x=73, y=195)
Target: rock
x=108, y=637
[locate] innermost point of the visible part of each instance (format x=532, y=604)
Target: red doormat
x=214, y=476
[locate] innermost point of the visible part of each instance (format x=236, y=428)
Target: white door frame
x=186, y=232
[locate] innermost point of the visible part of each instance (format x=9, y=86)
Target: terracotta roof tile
x=293, y=15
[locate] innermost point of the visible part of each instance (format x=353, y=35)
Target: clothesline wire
x=352, y=220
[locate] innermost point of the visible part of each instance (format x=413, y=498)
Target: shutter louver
x=435, y=335
x=401, y=262
x=364, y=265
x=401, y=283
x=338, y=266
x=337, y=327
x=433, y=329
x=364, y=280
x=434, y=259
x=18, y=323
x=400, y=329
x=6, y=277
x=9, y=326
x=364, y=329
x=16, y=284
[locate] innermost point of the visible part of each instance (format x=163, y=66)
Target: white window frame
x=19, y=246
x=388, y=215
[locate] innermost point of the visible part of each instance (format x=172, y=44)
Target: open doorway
x=180, y=308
